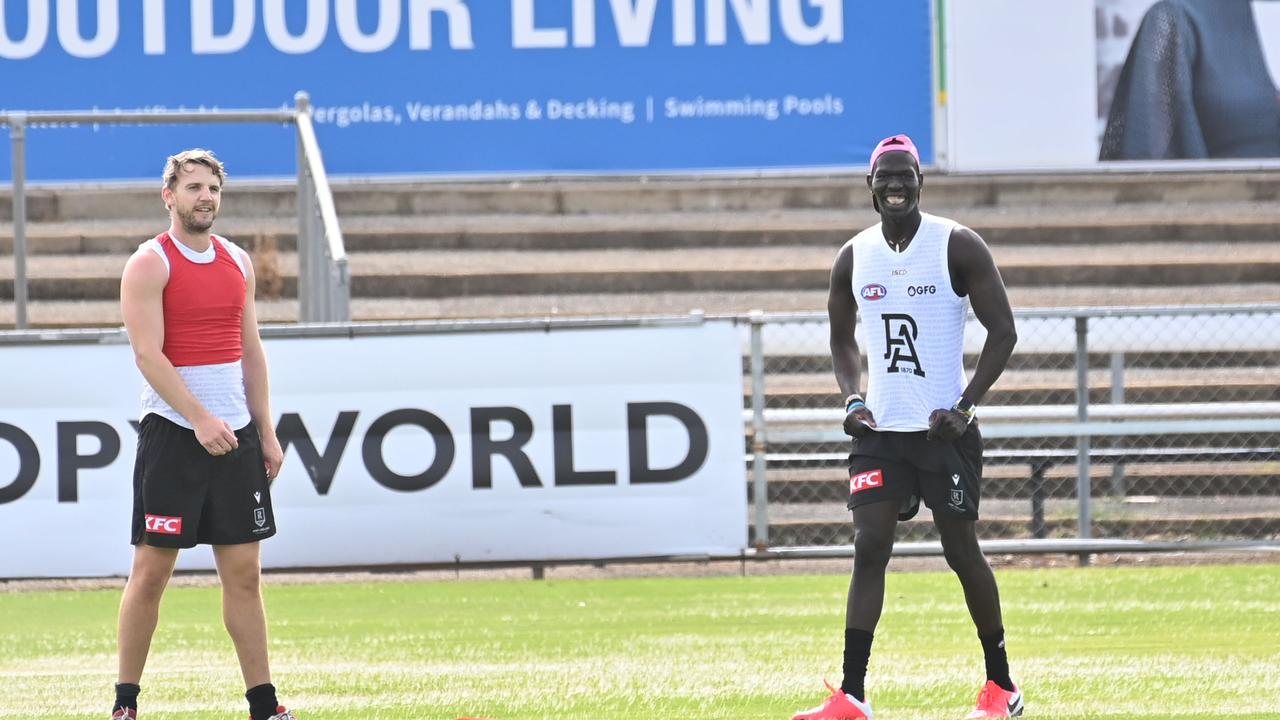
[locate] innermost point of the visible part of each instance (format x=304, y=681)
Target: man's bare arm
x=972, y=263
x=257, y=386
x=974, y=271
x=842, y=312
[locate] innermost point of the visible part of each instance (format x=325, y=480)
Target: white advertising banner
x=404, y=449
x=1111, y=84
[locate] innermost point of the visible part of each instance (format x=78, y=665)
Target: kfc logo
x=862, y=481
x=162, y=525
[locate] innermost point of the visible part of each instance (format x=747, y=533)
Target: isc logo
x=874, y=291
x=862, y=481
x=162, y=525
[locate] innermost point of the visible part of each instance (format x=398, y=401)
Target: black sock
x=262, y=701
x=126, y=696
x=857, y=650
x=997, y=661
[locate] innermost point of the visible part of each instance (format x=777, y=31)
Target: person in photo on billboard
x=914, y=434
x=207, y=449
x=1195, y=85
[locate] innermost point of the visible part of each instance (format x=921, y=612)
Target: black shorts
x=906, y=467
x=183, y=496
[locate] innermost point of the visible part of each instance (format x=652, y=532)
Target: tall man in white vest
x=914, y=435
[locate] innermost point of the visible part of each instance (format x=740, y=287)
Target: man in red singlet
x=207, y=449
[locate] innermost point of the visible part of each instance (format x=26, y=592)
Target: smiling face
x=895, y=183
x=194, y=198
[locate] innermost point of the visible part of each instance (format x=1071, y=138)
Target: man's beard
x=193, y=225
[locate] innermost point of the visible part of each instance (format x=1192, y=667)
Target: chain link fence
x=1152, y=425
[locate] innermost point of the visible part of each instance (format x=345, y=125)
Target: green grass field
x=1167, y=643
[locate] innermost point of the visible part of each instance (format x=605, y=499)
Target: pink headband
x=898, y=143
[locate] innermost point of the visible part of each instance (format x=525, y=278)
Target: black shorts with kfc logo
x=906, y=467
x=183, y=496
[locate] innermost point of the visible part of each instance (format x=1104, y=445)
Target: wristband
x=965, y=408
x=853, y=402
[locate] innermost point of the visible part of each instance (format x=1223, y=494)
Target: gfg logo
x=915, y=290
x=162, y=525
x=874, y=291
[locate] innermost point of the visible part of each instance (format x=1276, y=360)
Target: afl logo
x=873, y=291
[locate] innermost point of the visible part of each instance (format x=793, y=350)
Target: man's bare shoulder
x=967, y=246
x=145, y=267
x=966, y=234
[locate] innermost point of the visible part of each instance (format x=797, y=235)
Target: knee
x=239, y=571
x=871, y=549
x=147, y=579
x=242, y=585
x=147, y=586
x=964, y=558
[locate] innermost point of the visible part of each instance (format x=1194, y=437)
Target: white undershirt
x=220, y=387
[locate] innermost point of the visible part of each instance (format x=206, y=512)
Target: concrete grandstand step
x=1048, y=225
x=106, y=313
x=122, y=237
x=267, y=198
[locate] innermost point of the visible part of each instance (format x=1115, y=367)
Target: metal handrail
x=324, y=194
x=324, y=293
x=326, y=297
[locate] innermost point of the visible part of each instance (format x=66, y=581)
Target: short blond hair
x=178, y=163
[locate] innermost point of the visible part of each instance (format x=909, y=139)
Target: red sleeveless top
x=203, y=307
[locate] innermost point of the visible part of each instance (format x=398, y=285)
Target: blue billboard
x=514, y=87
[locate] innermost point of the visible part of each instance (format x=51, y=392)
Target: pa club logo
x=874, y=291
x=900, y=335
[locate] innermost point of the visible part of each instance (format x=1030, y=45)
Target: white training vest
x=913, y=324
x=219, y=387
